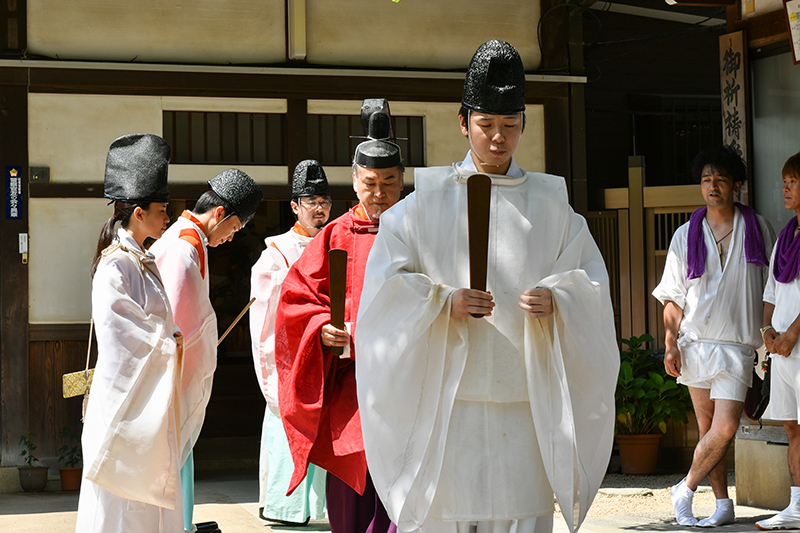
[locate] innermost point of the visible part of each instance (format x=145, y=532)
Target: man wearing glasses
x=311, y=204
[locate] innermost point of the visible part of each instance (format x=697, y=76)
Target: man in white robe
x=482, y=419
x=711, y=286
x=182, y=258
x=311, y=203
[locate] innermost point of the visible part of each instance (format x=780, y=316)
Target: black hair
x=724, y=160
x=464, y=111
x=123, y=211
x=792, y=167
x=210, y=200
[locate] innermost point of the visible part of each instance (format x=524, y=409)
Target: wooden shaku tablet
x=337, y=279
x=479, y=197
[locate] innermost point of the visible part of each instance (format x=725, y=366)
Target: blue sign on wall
x=13, y=193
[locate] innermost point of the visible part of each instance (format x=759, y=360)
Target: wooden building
x=252, y=84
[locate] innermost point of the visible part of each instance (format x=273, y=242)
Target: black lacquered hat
x=379, y=151
x=136, y=169
x=239, y=190
x=495, y=81
x=309, y=180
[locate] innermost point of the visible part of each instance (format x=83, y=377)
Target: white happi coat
x=183, y=263
x=722, y=309
x=130, y=446
x=265, y=285
x=483, y=419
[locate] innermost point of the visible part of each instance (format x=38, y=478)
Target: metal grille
x=226, y=138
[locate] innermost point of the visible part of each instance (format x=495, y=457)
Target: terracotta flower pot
x=33, y=479
x=71, y=478
x=638, y=453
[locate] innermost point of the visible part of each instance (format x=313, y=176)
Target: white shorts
x=784, y=387
x=723, y=386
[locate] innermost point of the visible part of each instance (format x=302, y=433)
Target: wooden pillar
x=296, y=133
x=577, y=122
x=577, y=115
x=637, y=245
x=13, y=273
x=557, y=139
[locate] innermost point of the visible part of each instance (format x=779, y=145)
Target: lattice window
x=226, y=138
x=330, y=142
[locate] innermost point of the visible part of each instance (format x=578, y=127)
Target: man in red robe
x=317, y=390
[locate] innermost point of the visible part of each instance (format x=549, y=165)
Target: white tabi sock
x=789, y=518
x=723, y=515
x=681, y=497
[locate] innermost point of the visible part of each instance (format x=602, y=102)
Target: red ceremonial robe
x=317, y=391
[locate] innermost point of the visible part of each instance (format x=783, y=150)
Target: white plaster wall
x=189, y=31
x=63, y=236
x=264, y=175
x=71, y=133
x=224, y=105
x=440, y=34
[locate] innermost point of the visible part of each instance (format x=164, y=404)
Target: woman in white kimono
x=130, y=439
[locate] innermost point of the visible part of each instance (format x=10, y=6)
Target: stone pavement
x=231, y=499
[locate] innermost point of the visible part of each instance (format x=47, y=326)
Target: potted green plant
x=31, y=478
x=70, y=457
x=646, y=399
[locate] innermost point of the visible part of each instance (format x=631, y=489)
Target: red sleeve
x=314, y=387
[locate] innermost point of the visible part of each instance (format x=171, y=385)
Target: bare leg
x=718, y=421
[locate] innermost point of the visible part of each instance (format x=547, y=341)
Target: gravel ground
x=656, y=503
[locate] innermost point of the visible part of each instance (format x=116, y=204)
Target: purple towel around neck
x=754, y=251
x=787, y=254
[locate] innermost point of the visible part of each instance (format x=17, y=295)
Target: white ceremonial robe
x=786, y=299
x=130, y=446
x=266, y=279
x=483, y=419
x=722, y=309
x=784, y=370
x=184, y=270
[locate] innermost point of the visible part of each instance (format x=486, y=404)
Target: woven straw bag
x=78, y=383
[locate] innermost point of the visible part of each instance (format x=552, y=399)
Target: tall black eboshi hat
x=239, y=190
x=309, y=180
x=136, y=169
x=379, y=151
x=495, y=81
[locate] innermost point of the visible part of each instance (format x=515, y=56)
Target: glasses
x=324, y=204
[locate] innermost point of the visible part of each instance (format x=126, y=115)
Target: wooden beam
x=178, y=191
x=261, y=85
x=762, y=30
